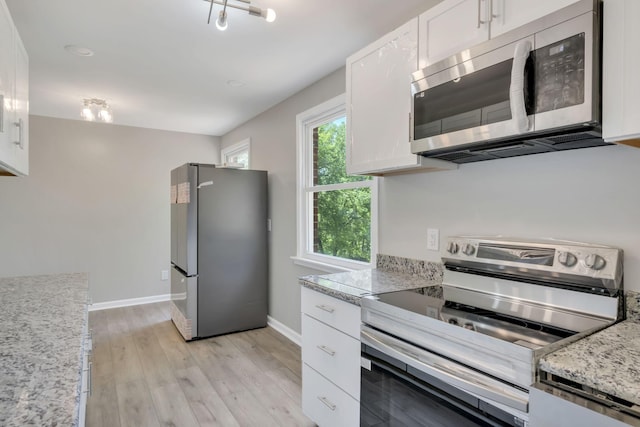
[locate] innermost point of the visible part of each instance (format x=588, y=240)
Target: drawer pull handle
x=327, y=402
x=327, y=350
x=326, y=308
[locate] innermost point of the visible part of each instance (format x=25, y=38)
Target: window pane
x=329, y=157
x=238, y=157
x=341, y=223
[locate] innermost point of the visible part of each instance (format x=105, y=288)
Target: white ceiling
x=159, y=65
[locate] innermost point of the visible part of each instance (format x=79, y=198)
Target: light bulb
x=221, y=22
x=270, y=15
x=87, y=114
x=105, y=115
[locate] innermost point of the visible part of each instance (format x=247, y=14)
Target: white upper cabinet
x=7, y=84
x=455, y=25
x=509, y=14
x=21, y=111
x=14, y=98
x=620, y=65
x=379, y=103
x=450, y=27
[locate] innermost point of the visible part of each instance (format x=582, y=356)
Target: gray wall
x=589, y=195
x=97, y=201
x=586, y=195
x=273, y=148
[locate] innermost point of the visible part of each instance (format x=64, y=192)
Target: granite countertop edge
x=607, y=361
x=391, y=274
x=45, y=323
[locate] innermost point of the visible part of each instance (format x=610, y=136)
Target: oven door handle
x=516, y=89
x=456, y=375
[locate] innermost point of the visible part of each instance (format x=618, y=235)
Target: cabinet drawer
x=333, y=354
x=332, y=311
x=325, y=403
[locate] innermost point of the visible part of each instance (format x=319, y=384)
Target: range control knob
x=468, y=249
x=567, y=259
x=595, y=262
x=452, y=248
x=453, y=321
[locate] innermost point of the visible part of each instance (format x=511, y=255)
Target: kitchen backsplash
x=633, y=304
x=431, y=271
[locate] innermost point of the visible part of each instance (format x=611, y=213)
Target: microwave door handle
x=516, y=90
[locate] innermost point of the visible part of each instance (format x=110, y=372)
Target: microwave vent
x=503, y=149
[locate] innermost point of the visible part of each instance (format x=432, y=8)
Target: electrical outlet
x=433, y=239
x=164, y=275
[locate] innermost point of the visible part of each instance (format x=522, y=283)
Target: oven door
x=406, y=384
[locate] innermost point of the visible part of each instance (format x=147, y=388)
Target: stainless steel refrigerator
x=219, y=275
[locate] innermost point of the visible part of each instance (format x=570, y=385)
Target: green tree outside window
x=341, y=217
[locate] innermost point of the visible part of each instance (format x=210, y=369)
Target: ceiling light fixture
x=221, y=23
x=96, y=108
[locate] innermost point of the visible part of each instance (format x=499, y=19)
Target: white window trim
x=243, y=145
x=305, y=122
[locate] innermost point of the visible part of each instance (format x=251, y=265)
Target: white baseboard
x=129, y=302
x=293, y=336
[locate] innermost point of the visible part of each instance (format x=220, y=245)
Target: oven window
x=390, y=397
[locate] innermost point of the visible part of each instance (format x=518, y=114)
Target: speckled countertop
x=391, y=274
x=607, y=361
x=354, y=285
x=43, y=319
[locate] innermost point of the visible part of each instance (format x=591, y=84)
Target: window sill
x=323, y=266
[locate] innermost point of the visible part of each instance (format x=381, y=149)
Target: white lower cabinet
x=330, y=360
x=325, y=403
x=85, y=376
x=333, y=353
x=547, y=410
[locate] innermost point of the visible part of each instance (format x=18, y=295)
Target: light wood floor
x=144, y=374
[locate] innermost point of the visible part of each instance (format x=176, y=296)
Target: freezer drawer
x=184, y=298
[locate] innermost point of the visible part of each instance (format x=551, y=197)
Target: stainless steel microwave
x=535, y=89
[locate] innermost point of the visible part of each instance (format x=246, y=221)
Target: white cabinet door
x=452, y=26
x=7, y=83
x=547, y=410
x=14, y=97
x=379, y=103
x=509, y=14
x=326, y=404
x=335, y=355
x=620, y=65
x=21, y=117
x=336, y=313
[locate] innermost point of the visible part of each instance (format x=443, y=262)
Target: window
x=237, y=155
x=336, y=212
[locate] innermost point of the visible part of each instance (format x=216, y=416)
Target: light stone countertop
x=608, y=361
x=392, y=274
x=352, y=286
x=43, y=320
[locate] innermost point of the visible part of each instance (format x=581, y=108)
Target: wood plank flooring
x=144, y=374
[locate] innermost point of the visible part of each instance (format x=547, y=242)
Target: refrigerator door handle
x=205, y=184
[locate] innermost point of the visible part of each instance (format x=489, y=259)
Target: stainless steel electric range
x=467, y=351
